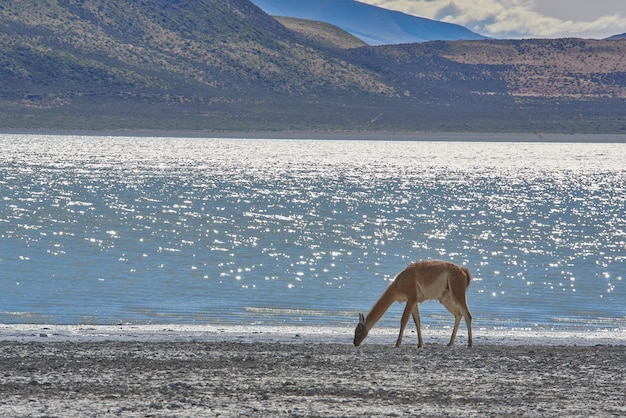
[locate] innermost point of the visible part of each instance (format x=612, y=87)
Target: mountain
x=620, y=36
x=227, y=65
x=163, y=45
x=204, y=57
x=374, y=25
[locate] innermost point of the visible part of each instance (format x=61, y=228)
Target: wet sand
x=41, y=375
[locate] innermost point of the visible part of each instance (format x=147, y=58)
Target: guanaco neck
x=380, y=307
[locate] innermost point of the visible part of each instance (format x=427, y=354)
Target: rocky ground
x=126, y=378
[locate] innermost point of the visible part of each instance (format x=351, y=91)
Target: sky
x=522, y=18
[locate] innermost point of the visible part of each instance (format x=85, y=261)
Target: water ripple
x=107, y=230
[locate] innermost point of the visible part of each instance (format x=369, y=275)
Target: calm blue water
x=108, y=230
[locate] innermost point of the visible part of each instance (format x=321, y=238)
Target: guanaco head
x=361, y=331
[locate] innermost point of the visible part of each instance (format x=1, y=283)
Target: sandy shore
x=120, y=371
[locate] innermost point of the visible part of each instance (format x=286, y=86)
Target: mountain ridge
x=372, y=24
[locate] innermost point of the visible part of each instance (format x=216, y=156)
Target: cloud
x=511, y=18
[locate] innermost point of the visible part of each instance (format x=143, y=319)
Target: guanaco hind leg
x=459, y=311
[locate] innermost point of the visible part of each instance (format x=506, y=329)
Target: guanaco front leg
x=405, y=319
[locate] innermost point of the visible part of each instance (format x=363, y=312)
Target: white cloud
x=518, y=18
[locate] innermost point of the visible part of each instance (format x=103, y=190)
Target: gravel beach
x=56, y=375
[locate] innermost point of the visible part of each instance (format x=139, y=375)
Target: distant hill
x=620, y=36
x=374, y=25
x=538, y=68
x=321, y=33
x=215, y=65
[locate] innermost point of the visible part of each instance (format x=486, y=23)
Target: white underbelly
x=435, y=289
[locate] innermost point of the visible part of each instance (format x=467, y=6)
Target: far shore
x=338, y=135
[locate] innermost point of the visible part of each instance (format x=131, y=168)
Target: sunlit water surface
x=108, y=230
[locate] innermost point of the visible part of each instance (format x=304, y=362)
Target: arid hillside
x=552, y=68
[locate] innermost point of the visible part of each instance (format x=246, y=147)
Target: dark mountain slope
x=164, y=46
x=215, y=62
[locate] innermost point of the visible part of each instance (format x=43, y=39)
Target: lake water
x=107, y=230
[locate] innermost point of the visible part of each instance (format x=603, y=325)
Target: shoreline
x=252, y=334
x=338, y=135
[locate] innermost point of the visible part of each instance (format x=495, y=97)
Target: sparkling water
x=107, y=230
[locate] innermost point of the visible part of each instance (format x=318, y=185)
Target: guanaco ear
x=361, y=318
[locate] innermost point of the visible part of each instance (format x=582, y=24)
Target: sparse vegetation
x=214, y=65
